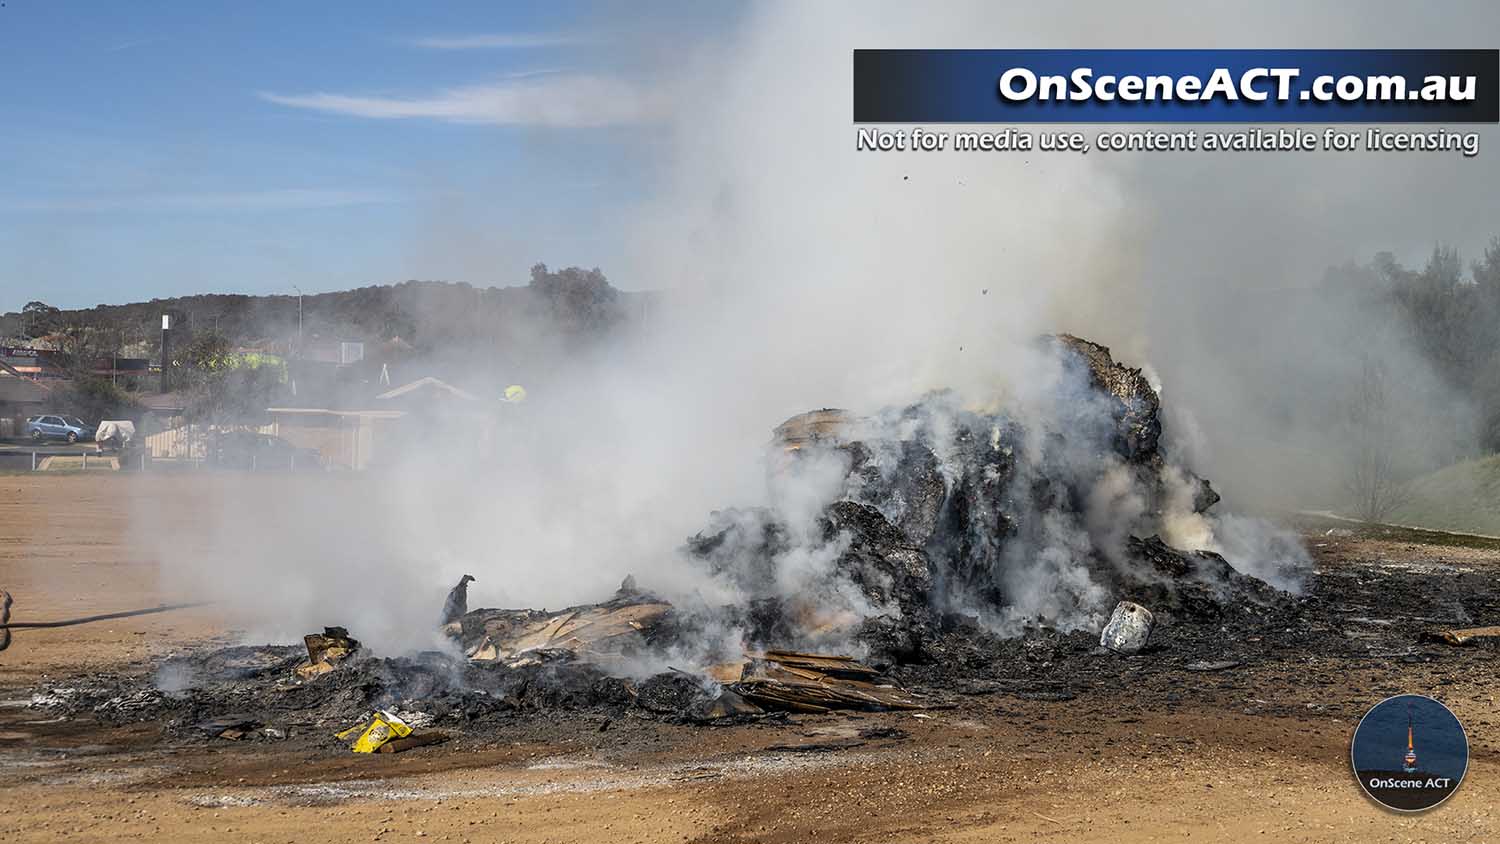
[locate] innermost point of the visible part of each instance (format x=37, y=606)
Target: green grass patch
x=1462, y=497
x=1313, y=526
x=75, y=463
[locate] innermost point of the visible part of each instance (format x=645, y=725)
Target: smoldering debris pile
x=920, y=542
x=1011, y=519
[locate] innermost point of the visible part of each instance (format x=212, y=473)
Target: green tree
x=96, y=399
x=225, y=387
x=577, y=300
x=39, y=319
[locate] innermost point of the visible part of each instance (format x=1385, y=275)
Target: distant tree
x=1372, y=474
x=1487, y=272
x=1445, y=269
x=207, y=352
x=1487, y=398
x=40, y=319
x=577, y=300
x=225, y=387
x=83, y=342
x=96, y=399
x=397, y=323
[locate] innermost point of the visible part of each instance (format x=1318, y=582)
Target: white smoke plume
x=800, y=274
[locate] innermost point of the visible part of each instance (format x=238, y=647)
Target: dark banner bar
x=1176, y=86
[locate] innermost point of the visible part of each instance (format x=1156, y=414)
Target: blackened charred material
x=922, y=532
x=237, y=722
x=1199, y=583
x=879, y=559
x=1204, y=495
x=1137, y=407
x=961, y=521
x=890, y=571
x=741, y=545
x=1356, y=613
x=457, y=604
x=912, y=493
x=4, y=619
x=671, y=693
x=979, y=517
x=413, y=741
x=939, y=500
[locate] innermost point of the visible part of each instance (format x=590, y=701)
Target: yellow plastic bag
x=383, y=727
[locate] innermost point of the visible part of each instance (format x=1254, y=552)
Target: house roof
x=160, y=402
x=22, y=390
x=424, y=383
x=371, y=414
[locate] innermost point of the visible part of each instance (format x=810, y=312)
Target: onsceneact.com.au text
x=1257, y=84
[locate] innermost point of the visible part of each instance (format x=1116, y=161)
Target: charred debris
x=948, y=551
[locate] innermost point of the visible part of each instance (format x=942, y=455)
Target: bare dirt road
x=1257, y=753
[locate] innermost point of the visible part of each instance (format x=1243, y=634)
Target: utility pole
x=299, y=319
x=166, y=353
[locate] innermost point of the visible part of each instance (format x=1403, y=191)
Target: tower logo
x=1409, y=753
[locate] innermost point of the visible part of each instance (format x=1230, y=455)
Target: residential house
x=352, y=433
x=19, y=399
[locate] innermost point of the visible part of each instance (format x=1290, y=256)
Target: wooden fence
x=190, y=442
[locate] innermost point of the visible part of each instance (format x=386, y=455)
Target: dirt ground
x=1246, y=753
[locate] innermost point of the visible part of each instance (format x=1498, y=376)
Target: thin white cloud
x=550, y=100
x=499, y=41
x=137, y=42
x=260, y=200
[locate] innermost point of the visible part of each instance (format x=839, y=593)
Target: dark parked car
x=250, y=450
x=54, y=427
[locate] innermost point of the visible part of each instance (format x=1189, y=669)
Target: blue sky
x=169, y=148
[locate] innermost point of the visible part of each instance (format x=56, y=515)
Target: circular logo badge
x=1410, y=753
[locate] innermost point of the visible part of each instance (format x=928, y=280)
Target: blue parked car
x=69, y=428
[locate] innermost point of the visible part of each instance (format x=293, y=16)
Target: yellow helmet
x=515, y=393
